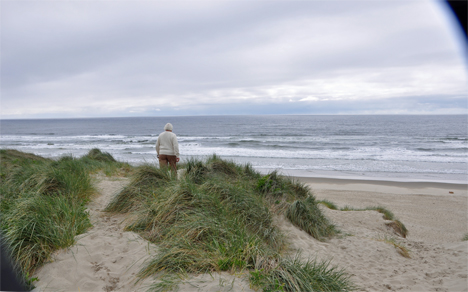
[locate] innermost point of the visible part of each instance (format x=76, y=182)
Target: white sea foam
x=135, y=145
x=366, y=153
x=366, y=144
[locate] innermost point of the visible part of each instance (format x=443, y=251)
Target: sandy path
x=106, y=258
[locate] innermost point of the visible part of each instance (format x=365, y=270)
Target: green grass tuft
x=196, y=170
x=38, y=225
x=387, y=214
x=15, y=157
x=280, y=190
x=96, y=154
x=328, y=204
x=294, y=274
x=96, y=160
x=306, y=215
x=398, y=227
x=145, y=181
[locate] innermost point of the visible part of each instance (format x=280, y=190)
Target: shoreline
x=432, y=212
x=386, y=186
x=369, y=177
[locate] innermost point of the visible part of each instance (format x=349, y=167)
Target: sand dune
x=107, y=258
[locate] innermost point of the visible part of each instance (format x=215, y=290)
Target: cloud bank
x=140, y=58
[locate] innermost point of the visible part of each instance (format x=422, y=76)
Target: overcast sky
x=162, y=58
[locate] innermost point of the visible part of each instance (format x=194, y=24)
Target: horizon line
x=213, y=115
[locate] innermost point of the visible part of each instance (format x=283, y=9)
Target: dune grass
x=219, y=217
x=402, y=250
x=306, y=215
x=328, y=204
x=294, y=274
x=42, y=202
x=96, y=161
x=465, y=237
x=399, y=227
x=38, y=225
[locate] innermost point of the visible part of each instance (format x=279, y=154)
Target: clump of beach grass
x=402, y=250
x=387, y=214
x=291, y=273
x=328, y=204
x=43, y=203
x=96, y=160
x=398, y=227
x=145, y=181
x=39, y=225
x=306, y=215
x=275, y=185
x=465, y=238
x=97, y=154
x=219, y=217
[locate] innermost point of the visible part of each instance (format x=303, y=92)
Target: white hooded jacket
x=167, y=144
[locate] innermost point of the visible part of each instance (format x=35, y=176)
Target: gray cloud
x=106, y=58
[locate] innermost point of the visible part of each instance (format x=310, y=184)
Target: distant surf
x=412, y=147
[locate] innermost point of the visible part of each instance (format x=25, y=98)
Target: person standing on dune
x=167, y=148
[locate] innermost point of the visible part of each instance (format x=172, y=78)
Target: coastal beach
x=434, y=212
x=320, y=146
x=107, y=258
x=436, y=216
x=413, y=166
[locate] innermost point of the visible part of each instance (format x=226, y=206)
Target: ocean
x=386, y=147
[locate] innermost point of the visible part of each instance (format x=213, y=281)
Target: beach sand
x=106, y=258
x=435, y=214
